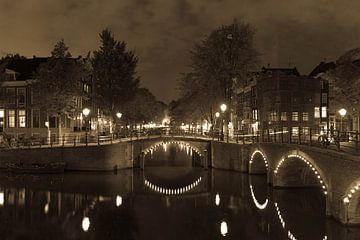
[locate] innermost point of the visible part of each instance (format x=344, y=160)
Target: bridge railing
x=337, y=140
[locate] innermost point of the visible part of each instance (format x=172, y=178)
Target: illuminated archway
x=351, y=201
x=309, y=162
x=252, y=158
x=172, y=191
x=190, y=149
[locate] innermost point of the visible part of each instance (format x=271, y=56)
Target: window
x=35, y=118
x=305, y=116
x=295, y=116
x=305, y=130
x=324, y=98
x=272, y=116
x=10, y=95
x=21, y=97
x=22, y=118
x=2, y=113
x=255, y=114
x=316, y=112
x=323, y=112
x=283, y=116
x=285, y=129
x=11, y=119
x=295, y=131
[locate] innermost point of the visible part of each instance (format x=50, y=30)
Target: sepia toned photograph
x=179, y=119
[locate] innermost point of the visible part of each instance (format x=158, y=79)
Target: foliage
x=345, y=82
x=59, y=81
x=220, y=64
x=114, y=71
x=143, y=108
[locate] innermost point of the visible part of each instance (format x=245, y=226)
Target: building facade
x=19, y=115
x=281, y=100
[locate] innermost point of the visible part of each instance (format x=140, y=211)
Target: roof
x=281, y=71
x=25, y=67
x=322, y=68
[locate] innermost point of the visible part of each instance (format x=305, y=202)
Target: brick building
x=19, y=116
x=280, y=99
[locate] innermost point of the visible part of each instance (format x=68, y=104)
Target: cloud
x=163, y=31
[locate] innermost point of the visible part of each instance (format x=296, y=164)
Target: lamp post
x=48, y=131
x=342, y=113
x=119, y=115
x=223, y=108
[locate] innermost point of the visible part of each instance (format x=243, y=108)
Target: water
x=171, y=199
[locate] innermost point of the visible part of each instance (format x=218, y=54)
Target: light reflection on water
x=179, y=202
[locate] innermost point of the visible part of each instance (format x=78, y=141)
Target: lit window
x=11, y=119
x=22, y=118
x=1, y=113
x=255, y=114
x=323, y=112
x=272, y=116
x=283, y=116
x=316, y=112
x=305, y=116
x=295, y=116
x=305, y=130
x=295, y=131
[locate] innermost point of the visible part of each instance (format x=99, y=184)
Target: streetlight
x=86, y=113
x=342, y=113
x=223, y=108
x=48, y=131
x=119, y=115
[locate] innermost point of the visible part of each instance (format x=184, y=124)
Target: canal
x=172, y=198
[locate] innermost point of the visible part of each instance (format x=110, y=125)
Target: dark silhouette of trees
x=59, y=82
x=220, y=64
x=114, y=71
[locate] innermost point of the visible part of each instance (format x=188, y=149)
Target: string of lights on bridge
x=171, y=191
x=263, y=156
x=290, y=235
x=319, y=177
x=351, y=193
x=189, y=148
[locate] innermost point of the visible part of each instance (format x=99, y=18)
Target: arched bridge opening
x=176, y=153
x=258, y=163
x=296, y=169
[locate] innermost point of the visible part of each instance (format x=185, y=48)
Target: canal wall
x=80, y=158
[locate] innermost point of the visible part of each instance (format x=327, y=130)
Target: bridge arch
x=309, y=172
x=184, y=145
x=350, y=203
x=258, y=162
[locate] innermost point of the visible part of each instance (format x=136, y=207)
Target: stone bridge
x=336, y=173
x=286, y=165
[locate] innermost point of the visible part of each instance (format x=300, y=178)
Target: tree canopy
x=59, y=81
x=219, y=63
x=114, y=71
x=345, y=82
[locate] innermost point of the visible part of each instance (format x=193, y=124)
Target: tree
x=59, y=82
x=345, y=82
x=220, y=64
x=143, y=108
x=114, y=69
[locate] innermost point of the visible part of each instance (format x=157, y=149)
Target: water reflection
x=168, y=202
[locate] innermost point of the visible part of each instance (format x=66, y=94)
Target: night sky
x=163, y=31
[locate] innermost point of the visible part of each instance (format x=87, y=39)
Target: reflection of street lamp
x=342, y=113
x=86, y=113
x=223, y=228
